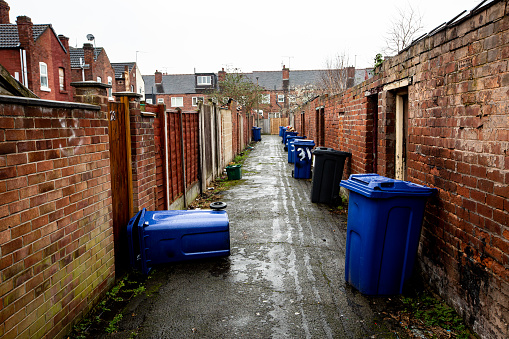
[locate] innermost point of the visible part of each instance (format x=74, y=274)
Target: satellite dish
x=90, y=37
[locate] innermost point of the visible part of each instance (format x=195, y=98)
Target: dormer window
x=204, y=80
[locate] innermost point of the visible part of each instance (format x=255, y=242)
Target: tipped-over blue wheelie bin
x=383, y=230
x=157, y=237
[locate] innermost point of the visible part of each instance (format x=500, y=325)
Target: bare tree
x=334, y=78
x=404, y=29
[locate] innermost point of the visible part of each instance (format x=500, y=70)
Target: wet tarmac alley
x=283, y=279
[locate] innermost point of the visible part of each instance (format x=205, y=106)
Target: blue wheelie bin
x=257, y=133
x=281, y=130
x=383, y=229
x=291, y=137
x=287, y=134
x=291, y=148
x=303, y=158
x=157, y=237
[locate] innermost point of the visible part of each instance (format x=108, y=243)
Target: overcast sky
x=179, y=37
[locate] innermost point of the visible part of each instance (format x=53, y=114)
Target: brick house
x=284, y=91
x=281, y=90
x=35, y=56
x=128, y=78
x=92, y=64
x=178, y=90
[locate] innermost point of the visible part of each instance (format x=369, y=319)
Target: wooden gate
x=119, y=133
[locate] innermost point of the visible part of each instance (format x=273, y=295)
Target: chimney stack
x=64, y=40
x=221, y=75
x=25, y=32
x=286, y=73
x=4, y=12
x=88, y=53
x=158, y=77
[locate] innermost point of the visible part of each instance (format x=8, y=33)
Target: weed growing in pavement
x=107, y=314
x=113, y=325
x=440, y=319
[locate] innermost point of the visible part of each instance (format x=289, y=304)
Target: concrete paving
x=284, y=278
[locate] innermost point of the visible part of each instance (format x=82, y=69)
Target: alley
x=284, y=278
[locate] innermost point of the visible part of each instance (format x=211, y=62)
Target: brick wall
x=456, y=83
x=56, y=238
x=143, y=155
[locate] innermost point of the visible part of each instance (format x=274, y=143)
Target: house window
x=99, y=79
x=280, y=98
x=110, y=90
x=177, y=102
x=160, y=100
x=204, y=80
x=292, y=98
x=61, y=78
x=43, y=70
x=196, y=99
x=148, y=101
x=265, y=98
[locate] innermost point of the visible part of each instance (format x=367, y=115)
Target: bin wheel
x=218, y=205
x=292, y=173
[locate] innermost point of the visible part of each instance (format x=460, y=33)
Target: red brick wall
x=458, y=142
x=143, y=157
x=55, y=215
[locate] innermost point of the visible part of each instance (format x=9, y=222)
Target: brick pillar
x=91, y=92
x=88, y=52
x=4, y=13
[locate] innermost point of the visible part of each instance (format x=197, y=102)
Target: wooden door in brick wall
x=121, y=177
x=401, y=134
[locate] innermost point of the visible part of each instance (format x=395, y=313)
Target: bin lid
x=379, y=187
x=303, y=142
x=331, y=151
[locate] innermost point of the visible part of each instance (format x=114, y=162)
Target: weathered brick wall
x=56, y=238
x=458, y=141
x=143, y=158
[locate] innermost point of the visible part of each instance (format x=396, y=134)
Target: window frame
x=176, y=104
x=148, y=101
x=194, y=101
x=280, y=98
x=160, y=100
x=61, y=78
x=110, y=90
x=44, y=76
x=200, y=77
x=265, y=98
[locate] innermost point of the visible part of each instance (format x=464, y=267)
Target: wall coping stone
x=6, y=99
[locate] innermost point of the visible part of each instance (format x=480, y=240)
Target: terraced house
x=35, y=56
